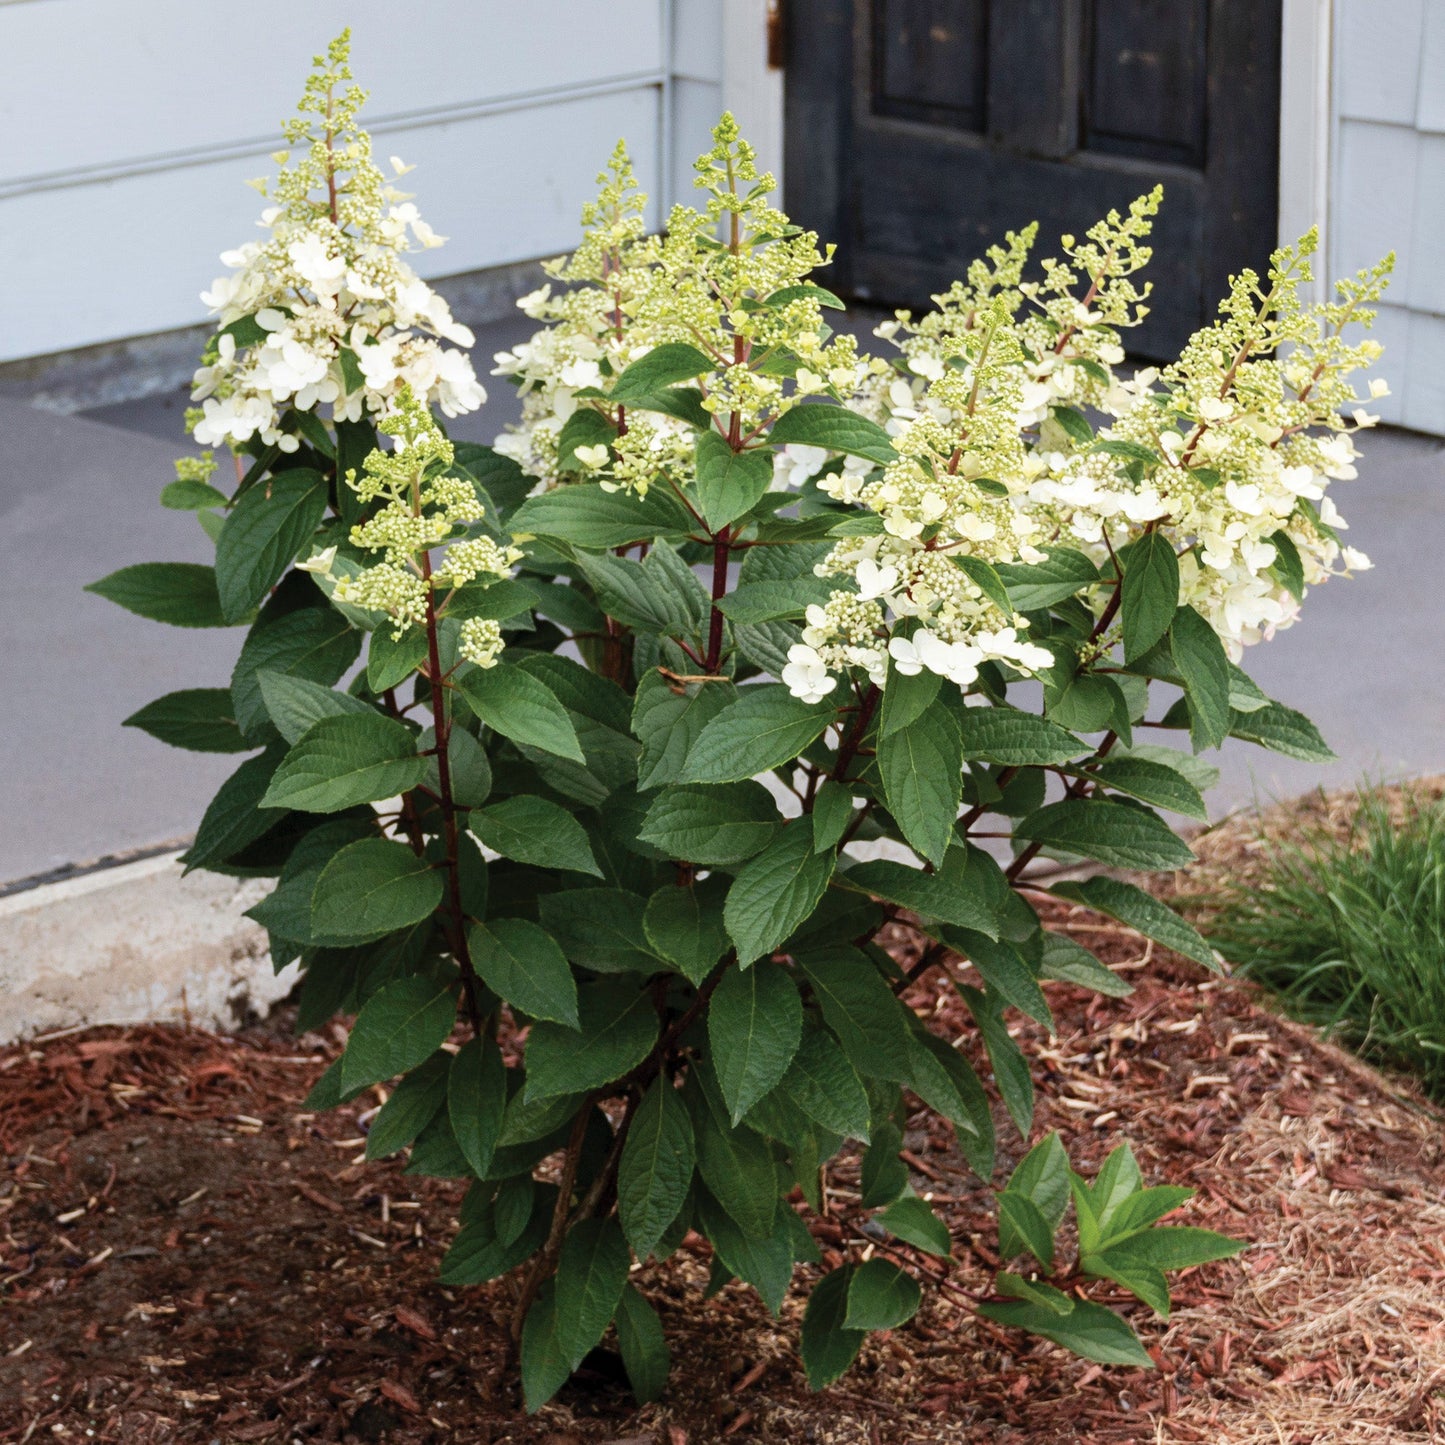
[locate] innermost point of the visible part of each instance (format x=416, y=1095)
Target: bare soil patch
x=187, y=1256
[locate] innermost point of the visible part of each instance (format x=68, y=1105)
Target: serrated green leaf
x=826, y=1087
x=911, y=1219
x=685, y=926
x=1033, y=586
x=754, y=1025
x=345, y=760
x=1282, y=730
x=529, y=829
x=1141, y=911
x=316, y=643
x=1114, y=833
x=763, y=728
x=828, y=1346
x=881, y=1297
x=861, y=1011
x=522, y=964
x=586, y=516
x=1152, y=782
x=397, y=1029
x=591, y=1275
x=644, y=1351
x=200, y=719
x=1088, y=1330
x=514, y=703
x=922, y=770
x=598, y=929
x=182, y=594
x=776, y=891
x=667, y=719
x=1200, y=660
x=545, y=1365
x=1071, y=962
x=953, y=895
x=294, y=703
x=371, y=888
x=655, y=1171
x=476, y=1098
x=267, y=527
x=616, y=1029
x=1150, y=592
x=834, y=428
x=729, y=483
x=663, y=366
x=413, y=1104
x=720, y=824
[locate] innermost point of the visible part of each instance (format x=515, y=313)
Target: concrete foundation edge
x=136, y=943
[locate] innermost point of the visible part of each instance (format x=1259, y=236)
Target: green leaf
x=1287, y=567
x=922, y=770
x=315, y=643
x=391, y=660
x=586, y=427
x=265, y=530
x=496, y=479
x=1004, y=969
x=655, y=1171
x=776, y=891
x=1032, y=587
x=1199, y=658
x=373, y=887
x=658, y=594
x=1075, y=424
x=199, y=719
x=191, y=496
x=834, y=428
x=1141, y=911
x=685, y=926
x=682, y=402
x=825, y=1086
x=342, y=761
x=712, y=825
x=953, y=895
x=512, y=702
x=1071, y=962
x=294, y=704
x=544, y=1362
x=946, y=1082
x=397, y=1029
x=1282, y=730
x=729, y=483
x=1173, y=1246
x=235, y=818
x=1021, y=1226
x=828, y=1345
x=1141, y=1208
x=1088, y=1330
x=1152, y=782
x=765, y=1263
x=663, y=366
x=1131, y=451
x=881, y=1297
x=736, y=1164
x=861, y=1010
x=1150, y=593
x=535, y=830
x=644, y=1351
x=413, y=1104
x=754, y=1025
x=832, y=812
x=468, y=767
x=522, y=963
x=182, y=594
x=667, y=719
x=884, y=1176
x=598, y=929
x=616, y=1030
x=1034, y=1291
x=591, y=1275
x=1114, y=833
x=911, y=1219
x=476, y=1095
x=807, y=291
x=1042, y=1177
x=586, y=516
x=1010, y=1068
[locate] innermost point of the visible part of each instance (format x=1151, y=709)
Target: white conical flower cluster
x=326, y=311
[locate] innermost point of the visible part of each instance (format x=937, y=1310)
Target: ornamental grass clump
x=572, y=757
x=1349, y=930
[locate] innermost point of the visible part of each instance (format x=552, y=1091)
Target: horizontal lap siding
x=1388, y=189
x=127, y=132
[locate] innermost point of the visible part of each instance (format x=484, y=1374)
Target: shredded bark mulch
x=187, y=1256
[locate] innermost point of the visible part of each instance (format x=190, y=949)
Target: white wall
x=1388, y=186
x=127, y=131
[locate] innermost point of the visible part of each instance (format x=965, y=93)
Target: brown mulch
x=187, y=1256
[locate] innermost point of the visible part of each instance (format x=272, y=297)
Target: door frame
x=1306, y=129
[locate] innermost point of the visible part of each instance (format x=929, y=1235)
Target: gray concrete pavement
x=78, y=499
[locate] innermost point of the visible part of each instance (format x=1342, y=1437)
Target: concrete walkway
x=78, y=499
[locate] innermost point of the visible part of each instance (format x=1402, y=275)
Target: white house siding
x=128, y=130
x=1388, y=186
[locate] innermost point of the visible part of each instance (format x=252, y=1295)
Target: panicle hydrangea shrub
x=710, y=669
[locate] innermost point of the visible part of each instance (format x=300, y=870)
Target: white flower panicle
x=422, y=508
x=326, y=310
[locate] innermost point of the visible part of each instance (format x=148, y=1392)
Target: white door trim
x=751, y=89
x=1306, y=128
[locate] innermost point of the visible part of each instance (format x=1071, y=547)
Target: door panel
x=918, y=133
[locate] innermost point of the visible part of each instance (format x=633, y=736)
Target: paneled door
x=919, y=131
